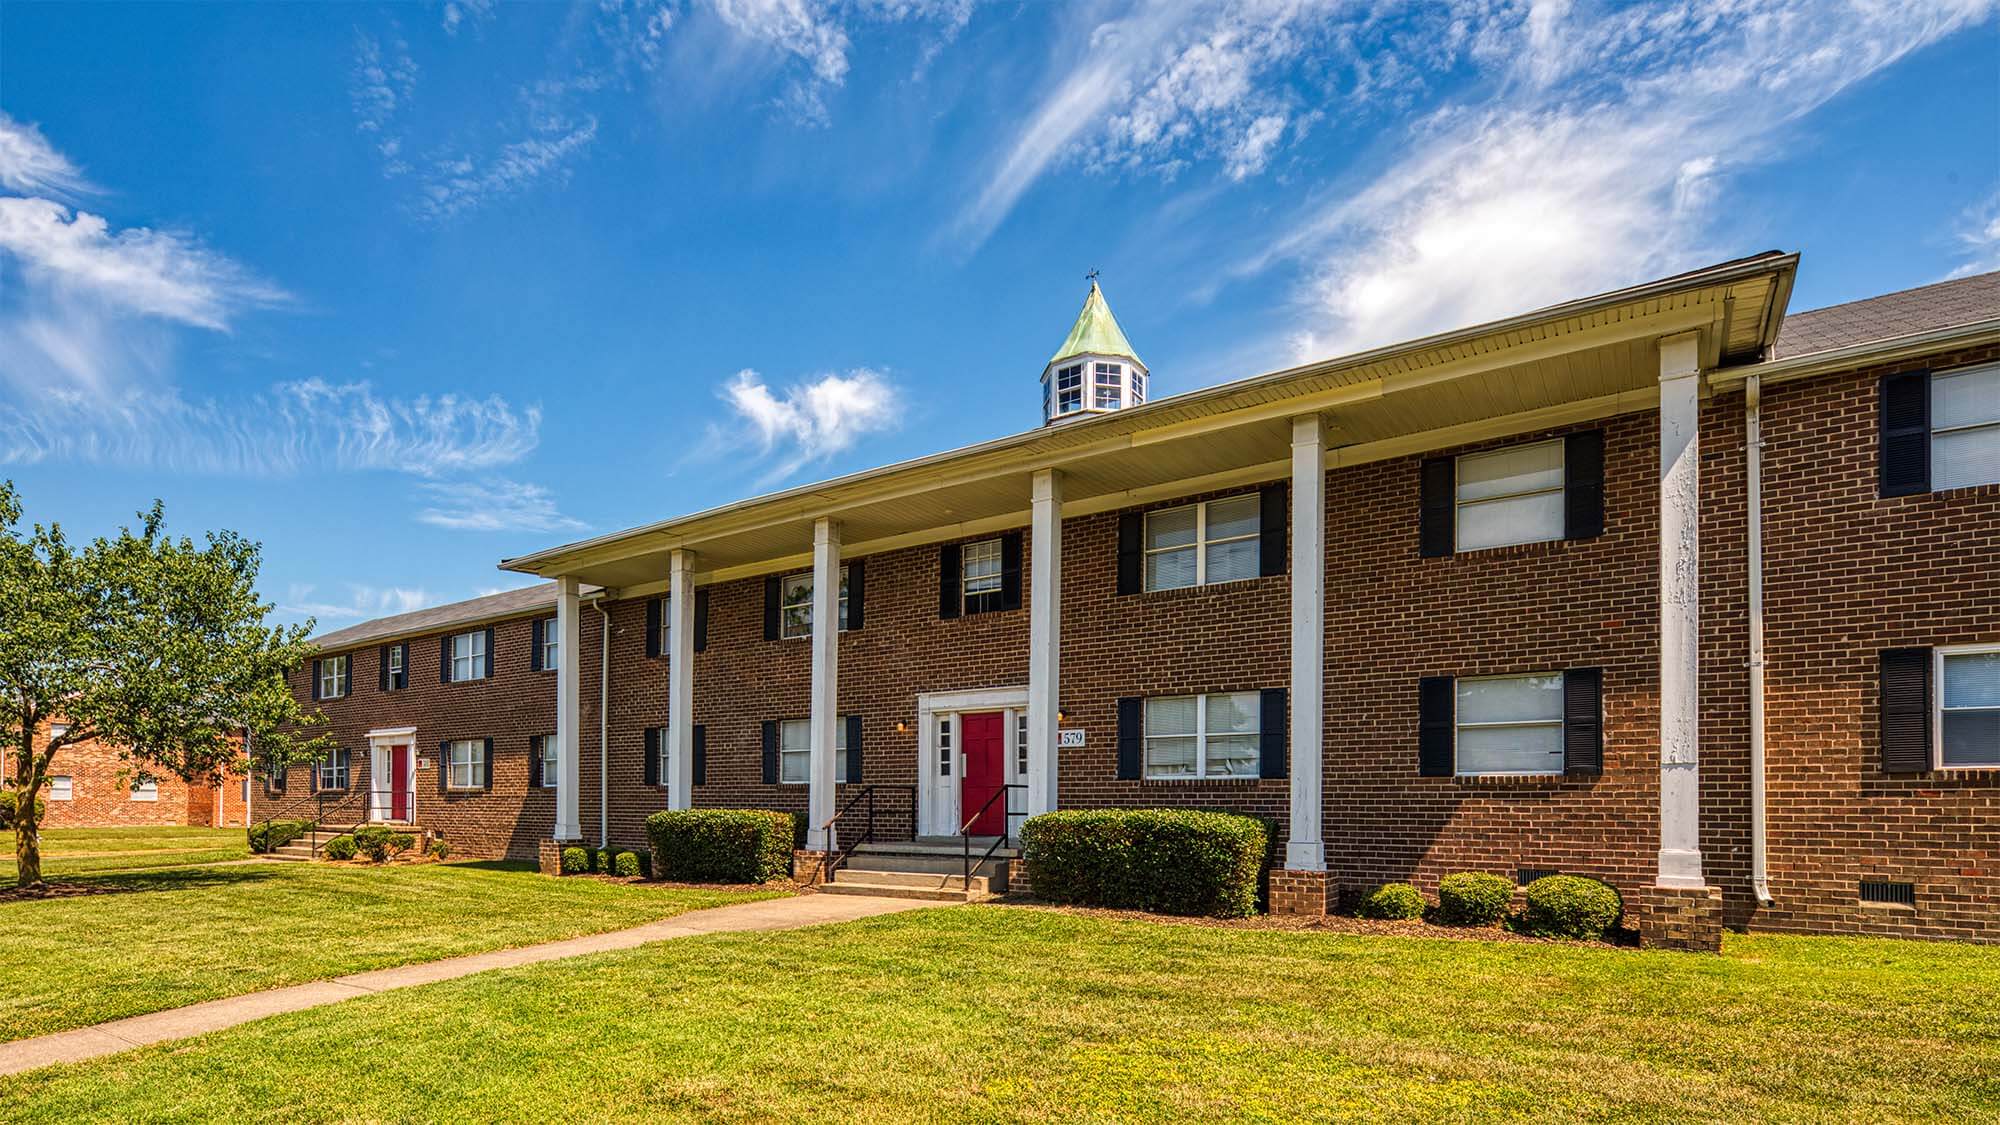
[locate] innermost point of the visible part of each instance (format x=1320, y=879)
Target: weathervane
x=1091, y=276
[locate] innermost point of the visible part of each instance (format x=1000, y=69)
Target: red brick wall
x=101, y=784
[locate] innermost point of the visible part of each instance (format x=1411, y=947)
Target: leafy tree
x=148, y=643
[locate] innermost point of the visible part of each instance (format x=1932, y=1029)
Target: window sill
x=1205, y=780
x=1509, y=780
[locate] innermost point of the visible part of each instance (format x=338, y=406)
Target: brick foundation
x=1298, y=892
x=808, y=865
x=1018, y=882
x=549, y=855
x=1688, y=919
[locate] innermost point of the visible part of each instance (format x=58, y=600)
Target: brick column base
x=1684, y=918
x=548, y=855
x=1298, y=892
x=808, y=867
x=1017, y=878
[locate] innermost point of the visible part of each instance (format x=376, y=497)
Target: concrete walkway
x=215, y=1015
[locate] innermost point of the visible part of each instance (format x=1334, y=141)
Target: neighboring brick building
x=1528, y=647
x=94, y=785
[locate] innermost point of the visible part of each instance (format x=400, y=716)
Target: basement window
x=1969, y=707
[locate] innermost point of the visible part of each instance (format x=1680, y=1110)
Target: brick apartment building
x=1662, y=586
x=91, y=784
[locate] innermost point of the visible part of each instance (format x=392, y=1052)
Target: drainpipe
x=603, y=726
x=1753, y=451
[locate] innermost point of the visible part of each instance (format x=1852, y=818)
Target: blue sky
x=402, y=290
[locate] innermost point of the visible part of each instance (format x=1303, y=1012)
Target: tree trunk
x=27, y=824
x=28, y=848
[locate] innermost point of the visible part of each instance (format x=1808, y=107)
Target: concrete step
x=923, y=864
x=288, y=858
x=921, y=879
x=937, y=846
x=892, y=890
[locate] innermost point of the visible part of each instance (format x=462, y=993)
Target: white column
x=680, y=681
x=1305, y=851
x=1044, y=641
x=1680, y=612
x=825, y=685
x=569, y=714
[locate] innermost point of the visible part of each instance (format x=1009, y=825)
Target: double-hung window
x=1105, y=380
x=544, y=750
x=145, y=789
x=795, y=751
x=795, y=605
x=332, y=677
x=1969, y=706
x=1069, y=389
x=398, y=674
x=979, y=567
x=468, y=656
x=1509, y=496
x=550, y=649
x=62, y=788
x=465, y=764
x=1509, y=725
x=332, y=769
x=1202, y=736
x=1965, y=427
x=1203, y=544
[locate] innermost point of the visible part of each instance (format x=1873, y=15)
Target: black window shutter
x=770, y=752
x=1440, y=488
x=652, y=627
x=535, y=644
x=444, y=659
x=854, y=750
x=772, y=592
x=1131, y=552
x=1131, y=733
x=652, y=766
x=1010, y=570
x=1434, y=726
x=486, y=766
x=1273, y=522
x=701, y=620
x=951, y=579
x=315, y=679
x=1905, y=447
x=535, y=761
x=1583, y=485
x=1272, y=733
x=700, y=754
x=382, y=665
x=489, y=653
x=1583, y=721
x=1906, y=710
x=857, y=585
x=444, y=763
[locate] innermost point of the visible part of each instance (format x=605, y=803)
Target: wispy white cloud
x=494, y=504
x=31, y=166
x=1978, y=239
x=806, y=422
x=459, y=13
x=363, y=601
x=456, y=184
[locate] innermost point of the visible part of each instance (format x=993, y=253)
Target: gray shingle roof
x=1959, y=301
x=492, y=607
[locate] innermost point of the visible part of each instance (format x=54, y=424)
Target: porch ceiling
x=1377, y=404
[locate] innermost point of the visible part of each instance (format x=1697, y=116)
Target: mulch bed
x=1299, y=923
x=59, y=890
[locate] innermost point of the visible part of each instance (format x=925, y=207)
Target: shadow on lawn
x=177, y=879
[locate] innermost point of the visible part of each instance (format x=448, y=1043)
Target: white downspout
x=1753, y=450
x=603, y=726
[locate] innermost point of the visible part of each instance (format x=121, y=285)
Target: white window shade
x=1232, y=538
x=1510, y=725
x=795, y=751
x=1969, y=702
x=1203, y=544
x=1202, y=736
x=1510, y=496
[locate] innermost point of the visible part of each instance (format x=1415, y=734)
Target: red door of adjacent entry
x=985, y=747
x=399, y=783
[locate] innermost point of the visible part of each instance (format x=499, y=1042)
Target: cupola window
x=1069, y=389
x=1108, y=378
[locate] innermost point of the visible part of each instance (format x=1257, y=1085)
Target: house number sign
x=1069, y=738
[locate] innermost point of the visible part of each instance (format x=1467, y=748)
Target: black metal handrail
x=1006, y=831
x=317, y=801
x=867, y=795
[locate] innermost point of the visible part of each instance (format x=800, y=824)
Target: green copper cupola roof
x=1095, y=332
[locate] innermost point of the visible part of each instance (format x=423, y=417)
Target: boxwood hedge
x=1392, y=902
x=1170, y=861
x=270, y=837
x=1570, y=906
x=1473, y=898
x=720, y=845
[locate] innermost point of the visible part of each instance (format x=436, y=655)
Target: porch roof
x=1589, y=357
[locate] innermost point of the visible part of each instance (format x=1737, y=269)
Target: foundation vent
x=1529, y=874
x=1900, y=894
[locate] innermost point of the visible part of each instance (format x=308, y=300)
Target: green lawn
x=193, y=934
x=1001, y=1013
x=82, y=851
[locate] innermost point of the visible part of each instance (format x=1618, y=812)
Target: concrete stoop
x=925, y=870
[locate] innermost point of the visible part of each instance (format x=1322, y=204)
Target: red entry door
x=985, y=742
x=399, y=783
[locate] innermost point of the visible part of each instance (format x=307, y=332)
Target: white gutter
x=1753, y=456
x=603, y=727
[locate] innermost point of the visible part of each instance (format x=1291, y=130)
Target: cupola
x=1095, y=371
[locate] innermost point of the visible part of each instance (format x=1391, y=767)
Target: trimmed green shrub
x=340, y=847
x=270, y=837
x=400, y=842
x=720, y=845
x=440, y=849
x=625, y=864
x=373, y=842
x=10, y=803
x=575, y=861
x=645, y=865
x=1392, y=902
x=603, y=859
x=1473, y=898
x=1570, y=906
x=1169, y=861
